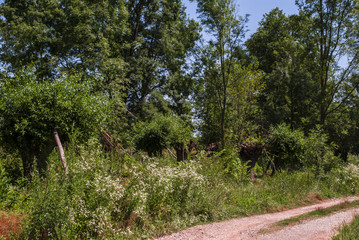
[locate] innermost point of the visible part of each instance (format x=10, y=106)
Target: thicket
x=110, y=195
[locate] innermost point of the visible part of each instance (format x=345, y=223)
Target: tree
x=332, y=31
x=163, y=132
x=30, y=110
x=286, y=57
x=62, y=38
x=220, y=19
x=343, y=125
x=161, y=39
x=243, y=115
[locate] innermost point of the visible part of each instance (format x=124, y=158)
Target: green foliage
x=37, y=108
x=12, y=165
x=107, y=197
x=163, y=131
x=4, y=183
x=87, y=58
x=101, y=199
x=345, y=179
x=332, y=33
x=287, y=147
x=292, y=149
x=161, y=40
x=287, y=60
x=233, y=166
x=319, y=153
x=218, y=65
x=65, y=37
x=349, y=232
x=12, y=194
x=244, y=89
x=30, y=111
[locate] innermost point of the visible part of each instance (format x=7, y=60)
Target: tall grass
x=116, y=196
x=349, y=232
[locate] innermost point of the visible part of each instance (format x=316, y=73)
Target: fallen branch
x=61, y=150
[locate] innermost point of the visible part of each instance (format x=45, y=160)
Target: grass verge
x=320, y=212
x=350, y=231
x=111, y=196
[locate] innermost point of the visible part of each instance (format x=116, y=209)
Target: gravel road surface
x=248, y=227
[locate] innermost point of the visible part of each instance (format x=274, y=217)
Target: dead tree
x=61, y=151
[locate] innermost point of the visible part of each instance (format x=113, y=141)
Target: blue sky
x=255, y=8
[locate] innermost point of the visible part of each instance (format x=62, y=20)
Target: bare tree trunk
x=61, y=150
x=181, y=152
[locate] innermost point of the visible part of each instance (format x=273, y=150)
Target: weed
x=111, y=196
x=350, y=231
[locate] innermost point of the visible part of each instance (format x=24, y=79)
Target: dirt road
x=247, y=228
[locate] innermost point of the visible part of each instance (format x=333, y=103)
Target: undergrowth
x=109, y=195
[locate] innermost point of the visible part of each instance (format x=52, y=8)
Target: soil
x=251, y=227
x=10, y=225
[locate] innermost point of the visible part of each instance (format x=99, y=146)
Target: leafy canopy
x=30, y=111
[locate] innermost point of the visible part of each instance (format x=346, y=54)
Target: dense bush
x=12, y=165
x=4, y=184
x=232, y=165
x=292, y=149
x=100, y=199
x=163, y=131
x=30, y=110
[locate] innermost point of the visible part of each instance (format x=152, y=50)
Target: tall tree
x=63, y=37
x=287, y=59
x=161, y=39
x=332, y=31
x=244, y=89
x=220, y=19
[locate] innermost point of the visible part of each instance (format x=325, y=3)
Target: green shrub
x=160, y=133
x=345, y=179
x=354, y=159
x=293, y=150
x=12, y=193
x=4, y=183
x=319, y=154
x=12, y=165
x=233, y=166
x=30, y=110
x=287, y=146
x=101, y=200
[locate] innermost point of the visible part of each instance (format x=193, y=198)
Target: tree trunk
x=27, y=157
x=181, y=153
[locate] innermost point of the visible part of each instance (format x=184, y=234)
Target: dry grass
x=10, y=225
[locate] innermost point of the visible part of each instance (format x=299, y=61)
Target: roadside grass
x=349, y=232
x=112, y=196
x=320, y=212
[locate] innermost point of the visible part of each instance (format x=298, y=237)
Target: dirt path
x=247, y=228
